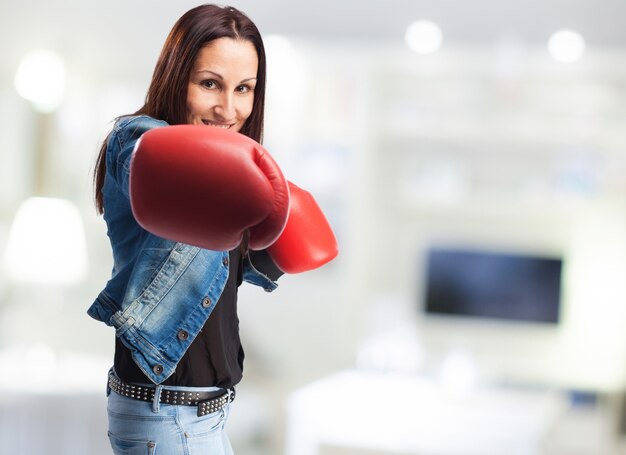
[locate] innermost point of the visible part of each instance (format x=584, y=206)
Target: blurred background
x=471, y=158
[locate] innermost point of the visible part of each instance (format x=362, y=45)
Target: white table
x=413, y=415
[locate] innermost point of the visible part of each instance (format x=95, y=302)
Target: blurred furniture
x=52, y=403
x=53, y=423
x=410, y=414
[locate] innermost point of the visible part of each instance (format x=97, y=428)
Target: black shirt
x=215, y=356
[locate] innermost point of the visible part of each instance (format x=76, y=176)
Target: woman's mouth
x=217, y=124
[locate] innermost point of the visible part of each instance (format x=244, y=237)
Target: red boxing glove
x=307, y=242
x=205, y=186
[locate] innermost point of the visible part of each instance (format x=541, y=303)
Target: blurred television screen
x=485, y=284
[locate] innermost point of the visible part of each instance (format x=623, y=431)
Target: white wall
x=470, y=147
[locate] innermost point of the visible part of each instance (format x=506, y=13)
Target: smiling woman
x=194, y=206
x=215, y=56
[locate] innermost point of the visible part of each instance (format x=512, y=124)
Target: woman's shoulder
x=128, y=129
x=137, y=122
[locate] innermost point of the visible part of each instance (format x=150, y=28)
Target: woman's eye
x=208, y=84
x=244, y=89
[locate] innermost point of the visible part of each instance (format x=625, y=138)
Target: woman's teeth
x=219, y=125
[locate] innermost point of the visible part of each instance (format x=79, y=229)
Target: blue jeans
x=151, y=428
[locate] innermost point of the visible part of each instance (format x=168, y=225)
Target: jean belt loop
x=156, y=401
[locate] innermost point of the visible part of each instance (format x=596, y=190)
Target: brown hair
x=166, y=96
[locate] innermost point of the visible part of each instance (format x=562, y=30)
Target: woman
x=172, y=296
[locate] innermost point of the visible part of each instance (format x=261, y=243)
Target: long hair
x=166, y=98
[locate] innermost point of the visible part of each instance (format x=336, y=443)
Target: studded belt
x=207, y=402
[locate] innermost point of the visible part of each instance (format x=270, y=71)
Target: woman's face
x=221, y=84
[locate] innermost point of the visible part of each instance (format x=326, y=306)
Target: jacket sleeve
x=120, y=146
x=260, y=270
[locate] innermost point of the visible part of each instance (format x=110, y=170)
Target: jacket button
x=158, y=369
x=183, y=335
x=206, y=302
x=225, y=262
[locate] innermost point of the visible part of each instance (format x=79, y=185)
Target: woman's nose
x=225, y=107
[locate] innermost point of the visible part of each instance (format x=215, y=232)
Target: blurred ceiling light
x=40, y=78
x=424, y=37
x=46, y=243
x=566, y=46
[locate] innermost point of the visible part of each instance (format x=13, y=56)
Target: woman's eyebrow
x=217, y=75
x=221, y=78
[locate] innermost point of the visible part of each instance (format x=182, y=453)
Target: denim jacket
x=161, y=292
